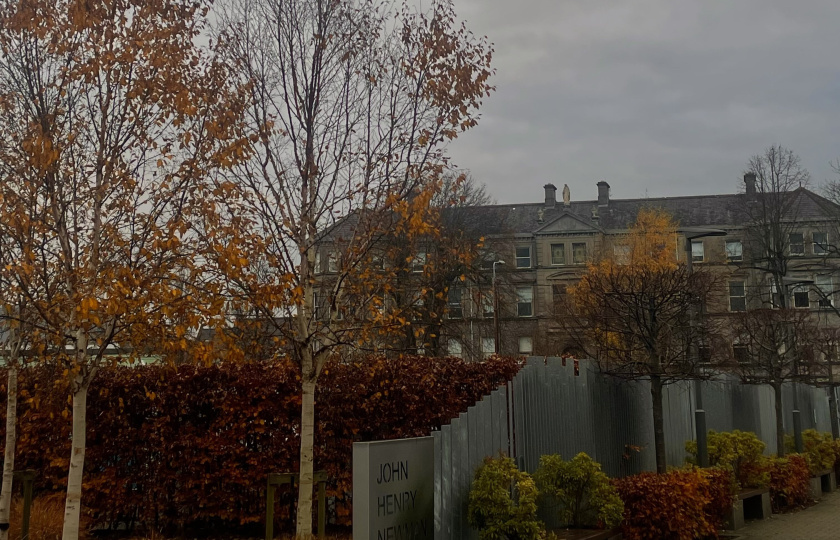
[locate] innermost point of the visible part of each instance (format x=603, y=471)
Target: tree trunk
x=9, y=460
x=658, y=423
x=73, y=503
x=832, y=411
x=780, y=428
x=307, y=459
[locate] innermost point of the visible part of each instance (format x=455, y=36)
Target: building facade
x=536, y=250
x=546, y=246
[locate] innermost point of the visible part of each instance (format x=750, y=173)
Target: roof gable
x=567, y=222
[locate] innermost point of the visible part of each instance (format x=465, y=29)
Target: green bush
x=819, y=448
x=503, y=502
x=582, y=492
x=738, y=451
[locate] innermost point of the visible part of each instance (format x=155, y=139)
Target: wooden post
x=279, y=479
x=322, y=509
x=269, y=510
x=28, y=478
x=28, y=481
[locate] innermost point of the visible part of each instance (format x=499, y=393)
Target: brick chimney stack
x=603, y=193
x=550, y=195
x=749, y=181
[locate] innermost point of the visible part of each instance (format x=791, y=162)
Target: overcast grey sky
x=657, y=97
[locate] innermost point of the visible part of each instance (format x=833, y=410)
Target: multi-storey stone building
x=536, y=250
x=545, y=247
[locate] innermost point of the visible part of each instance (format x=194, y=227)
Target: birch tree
x=353, y=103
x=111, y=118
x=13, y=343
x=13, y=331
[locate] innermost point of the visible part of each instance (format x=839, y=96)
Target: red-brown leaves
x=193, y=445
x=681, y=505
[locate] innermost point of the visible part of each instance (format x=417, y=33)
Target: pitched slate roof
x=720, y=211
x=689, y=211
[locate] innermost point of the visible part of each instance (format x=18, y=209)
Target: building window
x=488, y=346
x=579, y=252
x=415, y=306
x=377, y=262
x=622, y=254
x=487, y=306
x=796, y=243
x=332, y=262
x=800, y=296
x=740, y=353
x=825, y=286
x=698, y=254
x=318, y=268
x=454, y=348
x=525, y=301
x=734, y=250
x=737, y=296
x=526, y=345
x=320, y=306
x=820, y=243
x=455, y=305
x=418, y=263
x=558, y=297
x=523, y=257
x=558, y=254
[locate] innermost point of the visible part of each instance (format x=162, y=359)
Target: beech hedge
x=192, y=446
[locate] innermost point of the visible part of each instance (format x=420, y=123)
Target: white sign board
x=393, y=483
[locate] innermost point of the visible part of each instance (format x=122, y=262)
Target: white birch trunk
x=307, y=460
x=73, y=502
x=9, y=460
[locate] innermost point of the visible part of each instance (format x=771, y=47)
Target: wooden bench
x=823, y=482
x=750, y=504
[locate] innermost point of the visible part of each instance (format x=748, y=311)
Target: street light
x=496, y=333
x=694, y=233
x=797, y=419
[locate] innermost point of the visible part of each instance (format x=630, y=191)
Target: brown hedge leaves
x=193, y=445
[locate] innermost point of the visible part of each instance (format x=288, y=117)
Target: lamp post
x=496, y=333
x=692, y=233
x=797, y=418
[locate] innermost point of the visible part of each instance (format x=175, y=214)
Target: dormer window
x=698, y=253
x=734, y=251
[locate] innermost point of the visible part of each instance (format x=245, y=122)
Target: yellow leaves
x=89, y=304
x=651, y=241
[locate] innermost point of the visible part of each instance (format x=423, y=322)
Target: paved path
x=819, y=522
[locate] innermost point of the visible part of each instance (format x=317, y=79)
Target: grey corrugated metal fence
x=549, y=409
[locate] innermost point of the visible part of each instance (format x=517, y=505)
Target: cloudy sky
x=657, y=97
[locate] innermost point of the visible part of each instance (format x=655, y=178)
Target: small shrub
x=583, y=493
x=503, y=502
x=789, y=482
x=742, y=452
x=820, y=448
x=671, y=505
x=46, y=518
x=720, y=489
